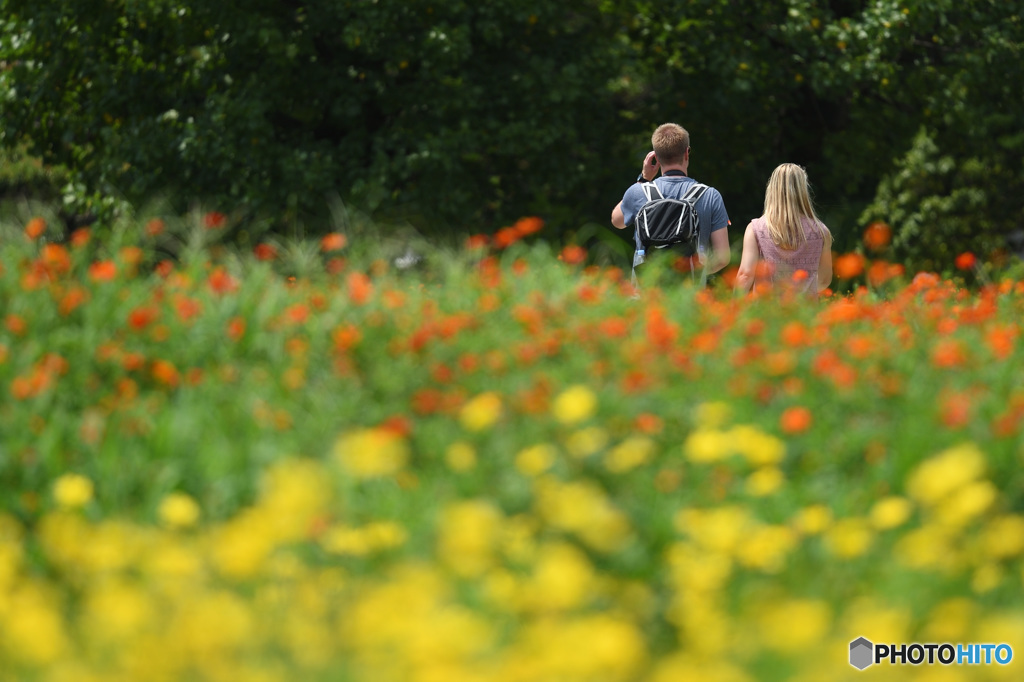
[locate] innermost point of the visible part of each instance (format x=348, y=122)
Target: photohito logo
x=864, y=653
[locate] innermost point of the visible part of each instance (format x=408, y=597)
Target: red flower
x=966, y=261
x=155, y=227
x=877, y=236
x=214, y=220
x=102, y=271
x=849, y=265
x=795, y=420
x=335, y=241
x=573, y=254
x=35, y=228
x=265, y=251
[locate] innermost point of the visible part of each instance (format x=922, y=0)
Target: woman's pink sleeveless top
x=786, y=262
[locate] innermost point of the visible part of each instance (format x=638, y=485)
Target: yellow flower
x=468, y=536
x=712, y=415
x=178, y=510
x=891, y=512
x=574, y=404
x=707, y=445
x=720, y=529
x=939, y=476
x=629, y=454
x=875, y=622
x=371, y=453
x=766, y=548
x=581, y=507
x=534, y=461
x=344, y=540
x=929, y=546
x=481, y=412
x=758, y=447
x=813, y=520
x=1003, y=537
x=967, y=503
x=795, y=625
x=950, y=620
x=695, y=569
x=460, y=456
x=72, y=491
x=562, y=579
x=986, y=578
x=765, y=481
x=849, y=538
x=586, y=441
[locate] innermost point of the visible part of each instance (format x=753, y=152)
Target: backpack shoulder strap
x=695, y=192
x=651, y=191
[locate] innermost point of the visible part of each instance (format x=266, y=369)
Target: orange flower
x=220, y=282
x=165, y=373
x=334, y=241
x=849, y=265
x=795, y=420
x=955, y=410
x=949, y=353
x=800, y=276
x=80, y=237
x=297, y=313
x=924, y=280
x=1000, y=340
x=506, y=237
x=795, y=334
x=236, y=328
x=528, y=226
x=877, y=236
x=264, y=251
x=142, y=316
x=73, y=298
x=102, y=271
x=187, y=308
x=649, y=423
x=164, y=268
x=131, y=255
x=573, y=254
x=345, y=337
x=56, y=259
x=764, y=270
x=477, y=241
x=214, y=220
x=360, y=288
x=155, y=227
x=15, y=324
x=966, y=261
x=35, y=228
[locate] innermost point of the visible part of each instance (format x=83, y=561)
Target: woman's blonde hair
x=787, y=202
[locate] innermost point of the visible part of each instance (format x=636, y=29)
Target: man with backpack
x=675, y=212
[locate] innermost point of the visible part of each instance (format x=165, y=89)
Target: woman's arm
x=825, y=263
x=748, y=261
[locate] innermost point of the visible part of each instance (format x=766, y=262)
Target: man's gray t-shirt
x=710, y=207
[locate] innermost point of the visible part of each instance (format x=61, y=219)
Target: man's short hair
x=670, y=142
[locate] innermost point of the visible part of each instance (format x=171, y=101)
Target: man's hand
x=651, y=167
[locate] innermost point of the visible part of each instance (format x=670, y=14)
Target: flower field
x=494, y=466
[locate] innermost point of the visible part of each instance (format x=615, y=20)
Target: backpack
x=662, y=221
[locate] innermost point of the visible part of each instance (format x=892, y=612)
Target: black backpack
x=663, y=222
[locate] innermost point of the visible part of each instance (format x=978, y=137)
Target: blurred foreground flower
x=72, y=491
x=574, y=404
x=178, y=510
x=371, y=453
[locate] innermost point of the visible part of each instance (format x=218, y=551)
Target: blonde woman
x=788, y=245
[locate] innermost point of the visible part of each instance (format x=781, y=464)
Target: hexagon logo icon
x=861, y=653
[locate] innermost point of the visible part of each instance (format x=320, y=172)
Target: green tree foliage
x=466, y=111
x=468, y=115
